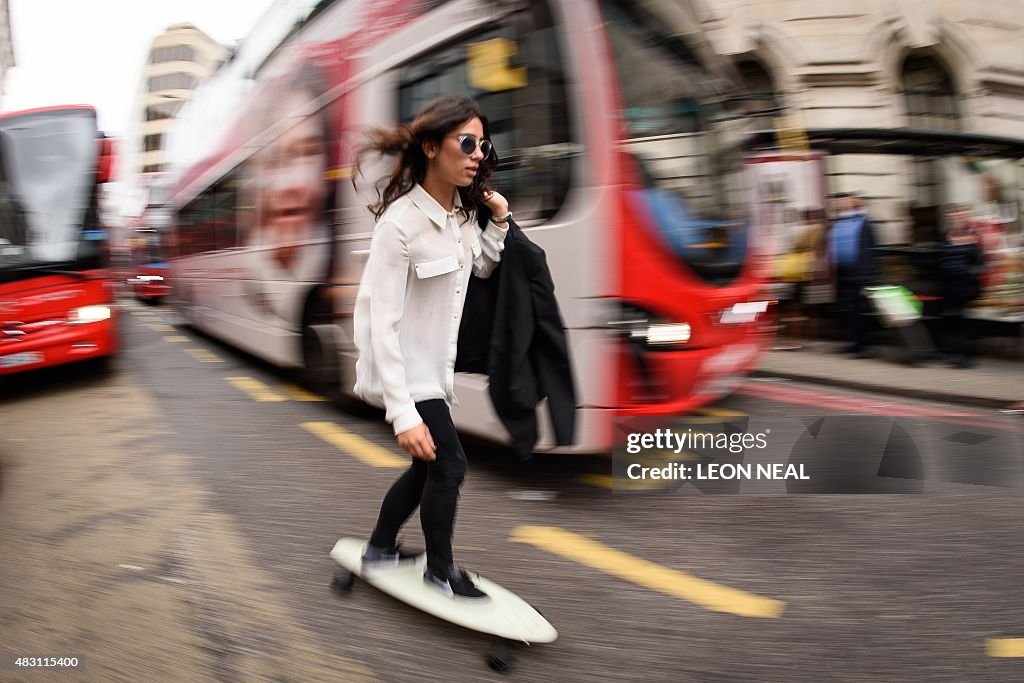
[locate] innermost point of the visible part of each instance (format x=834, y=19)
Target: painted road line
x=203, y=356
x=677, y=584
x=867, y=405
x=257, y=390
x=714, y=411
x=177, y=339
x=648, y=459
x=296, y=393
x=161, y=327
x=356, y=446
x=606, y=481
x=859, y=406
x=1004, y=647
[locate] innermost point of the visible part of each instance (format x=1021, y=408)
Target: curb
x=907, y=392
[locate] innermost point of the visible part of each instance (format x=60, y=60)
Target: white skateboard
x=503, y=614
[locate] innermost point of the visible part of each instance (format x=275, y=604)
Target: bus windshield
x=47, y=190
x=146, y=249
x=686, y=146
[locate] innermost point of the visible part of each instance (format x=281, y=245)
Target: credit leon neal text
x=718, y=472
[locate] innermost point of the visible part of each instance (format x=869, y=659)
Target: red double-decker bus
x=56, y=292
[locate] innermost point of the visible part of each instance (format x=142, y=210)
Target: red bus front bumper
x=62, y=343
x=151, y=290
x=677, y=381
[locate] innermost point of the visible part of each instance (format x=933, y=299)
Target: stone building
x=179, y=60
x=6, y=46
x=936, y=64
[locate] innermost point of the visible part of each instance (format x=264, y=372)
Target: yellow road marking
x=357, y=446
x=648, y=459
x=203, y=356
x=677, y=584
x=299, y=394
x=161, y=327
x=606, y=481
x=720, y=412
x=256, y=389
x=177, y=339
x=1004, y=647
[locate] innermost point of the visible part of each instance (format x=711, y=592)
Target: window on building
x=930, y=96
x=152, y=168
x=525, y=99
x=760, y=96
x=175, y=53
x=152, y=142
x=177, y=81
x=162, y=110
x=931, y=102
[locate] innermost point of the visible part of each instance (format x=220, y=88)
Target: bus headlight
x=662, y=334
x=649, y=329
x=743, y=313
x=89, y=314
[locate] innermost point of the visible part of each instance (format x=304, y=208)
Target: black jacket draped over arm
x=512, y=331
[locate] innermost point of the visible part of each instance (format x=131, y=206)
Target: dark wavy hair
x=435, y=121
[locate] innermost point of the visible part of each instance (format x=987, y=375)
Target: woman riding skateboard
x=408, y=309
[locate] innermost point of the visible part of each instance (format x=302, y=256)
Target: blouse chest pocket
x=436, y=267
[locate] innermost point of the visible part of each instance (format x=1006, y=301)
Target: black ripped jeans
x=433, y=486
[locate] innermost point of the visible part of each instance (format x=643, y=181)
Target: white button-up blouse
x=410, y=301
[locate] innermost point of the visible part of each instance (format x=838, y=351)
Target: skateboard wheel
x=500, y=658
x=342, y=581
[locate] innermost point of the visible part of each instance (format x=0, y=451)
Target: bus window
x=198, y=225
x=49, y=163
x=515, y=72
x=225, y=200
x=687, y=152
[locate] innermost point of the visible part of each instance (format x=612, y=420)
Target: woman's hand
x=418, y=443
x=496, y=203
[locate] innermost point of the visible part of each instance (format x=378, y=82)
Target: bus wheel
x=320, y=358
x=104, y=365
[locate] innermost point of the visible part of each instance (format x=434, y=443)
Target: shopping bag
x=895, y=304
x=794, y=266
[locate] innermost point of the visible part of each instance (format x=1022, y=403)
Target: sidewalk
x=992, y=383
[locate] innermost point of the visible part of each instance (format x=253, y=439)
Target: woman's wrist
x=501, y=217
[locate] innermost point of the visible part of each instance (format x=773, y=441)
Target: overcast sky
x=93, y=51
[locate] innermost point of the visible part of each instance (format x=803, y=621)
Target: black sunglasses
x=468, y=144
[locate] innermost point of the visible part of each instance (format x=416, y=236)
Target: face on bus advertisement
x=292, y=190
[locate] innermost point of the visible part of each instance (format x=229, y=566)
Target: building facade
x=179, y=60
x=6, y=45
x=936, y=64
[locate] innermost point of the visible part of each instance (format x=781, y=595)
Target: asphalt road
x=171, y=520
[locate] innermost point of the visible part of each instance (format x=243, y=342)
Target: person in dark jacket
x=852, y=244
x=960, y=263
x=512, y=331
